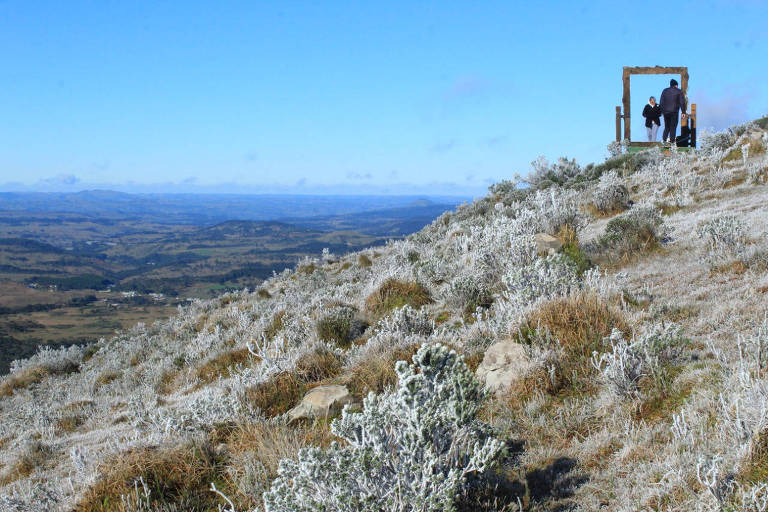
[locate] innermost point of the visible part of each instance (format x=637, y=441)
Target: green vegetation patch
x=341, y=326
x=394, y=293
x=630, y=234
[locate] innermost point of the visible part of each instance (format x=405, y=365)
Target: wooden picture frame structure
x=627, y=72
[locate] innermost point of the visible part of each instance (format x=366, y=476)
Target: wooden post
x=618, y=124
x=693, y=116
x=693, y=125
x=625, y=102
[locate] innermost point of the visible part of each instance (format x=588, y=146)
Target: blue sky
x=393, y=97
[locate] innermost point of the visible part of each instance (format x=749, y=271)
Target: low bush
x=724, y=239
x=573, y=251
x=417, y=448
x=470, y=291
x=611, y=195
x=640, y=229
x=394, y=293
x=340, y=326
x=648, y=357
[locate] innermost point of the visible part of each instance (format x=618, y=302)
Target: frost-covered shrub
x=611, y=195
x=414, y=449
x=405, y=321
x=617, y=148
x=469, y=291
x=340, y=325
x=724, y=238
x=757, y=171
x=723, y=140
x=55, y=360
x=545, y=174
x=630, y=360
x=546, y=278
x=716, y=141
x=554, y=209
x=639, y=229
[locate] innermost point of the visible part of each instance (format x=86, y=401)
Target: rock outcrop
x=321, y=402
x=503, y=364
x=547, y=244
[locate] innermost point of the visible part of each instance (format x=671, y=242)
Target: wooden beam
x=618, y=124
x=644, y=144
x=656, y=70
x=625, y=102
x=693, y=115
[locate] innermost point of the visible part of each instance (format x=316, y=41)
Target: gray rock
x=321, y=402
x=547, y=244
x=504, y=363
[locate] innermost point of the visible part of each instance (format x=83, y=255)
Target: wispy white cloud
x=726, y=108
x=444, y=146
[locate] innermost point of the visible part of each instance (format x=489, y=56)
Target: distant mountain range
x=104, y=205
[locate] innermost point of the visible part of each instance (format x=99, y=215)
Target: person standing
x=652, y=115
x=672, y=100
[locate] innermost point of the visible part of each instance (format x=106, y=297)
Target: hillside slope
x=643, y=342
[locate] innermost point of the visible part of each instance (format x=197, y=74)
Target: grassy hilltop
x=643, y=335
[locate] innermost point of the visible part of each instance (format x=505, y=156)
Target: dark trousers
x=670, y=127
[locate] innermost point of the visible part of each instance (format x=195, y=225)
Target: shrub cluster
x=611, y=195
x=340, y=326
x=414, y=449
x=640, y=229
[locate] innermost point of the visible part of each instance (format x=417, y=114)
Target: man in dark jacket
x=672, y=99
x=652, y=115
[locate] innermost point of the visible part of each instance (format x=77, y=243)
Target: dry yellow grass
x=282, y=391
x=70, y=422
x=264, y=444
x=179, y=476
x=276, y=395
x=755, y=467
x=579, y=324
x=275, y=325
x=376, y=374
x=35, y=455
x=364, y=261
x=22, y=379
x=395, y=294
x=223, y=363
x=107, y=377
